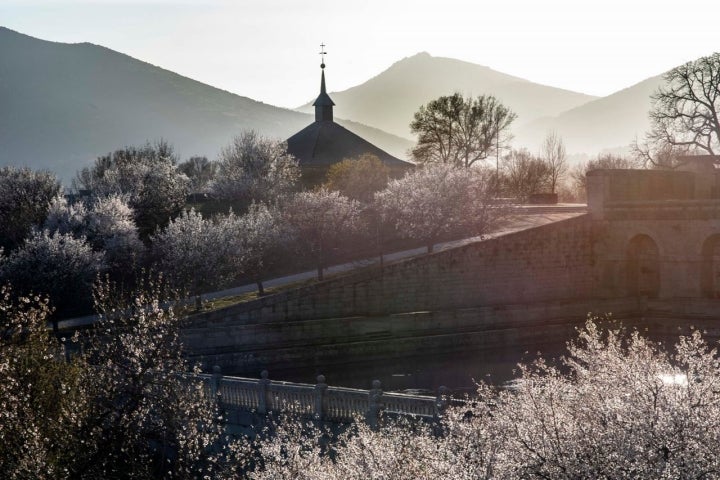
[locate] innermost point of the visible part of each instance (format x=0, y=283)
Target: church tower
x=324, y=143
x=323, y=104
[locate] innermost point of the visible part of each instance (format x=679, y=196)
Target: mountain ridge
x=65, y=104
x=389, y=99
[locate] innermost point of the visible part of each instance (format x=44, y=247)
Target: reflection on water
x=424, y=374
x=679, y=379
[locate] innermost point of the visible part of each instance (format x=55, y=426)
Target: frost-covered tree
x=197, y=253
x=321, y=221
x=263, y=236
x=42, y=395
x=618, y=406
x=57, y=265
x=201, y=173
x=146, y=418
x=439, y=200
x=253, y=168
x=156, y=190
x=25, y=197
x=105, y=222
x=122, y=407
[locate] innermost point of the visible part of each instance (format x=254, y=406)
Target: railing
x=319, y=401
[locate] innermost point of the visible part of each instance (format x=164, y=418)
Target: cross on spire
x=322, y=55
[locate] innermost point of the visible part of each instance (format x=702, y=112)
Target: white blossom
x=321, y=220
x=253, y=168
x=199, y=254
x=438, y=200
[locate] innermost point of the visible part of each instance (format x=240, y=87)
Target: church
x=324, y=143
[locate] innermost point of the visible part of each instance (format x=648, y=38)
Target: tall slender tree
x=555, y=157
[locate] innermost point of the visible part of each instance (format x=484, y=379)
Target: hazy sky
x=267, y=49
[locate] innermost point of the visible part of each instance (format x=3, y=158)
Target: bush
x=619, y=406
x=25, y=197
x=147, y=176
x=358, y=178
x=108, y=226
x=56, y=265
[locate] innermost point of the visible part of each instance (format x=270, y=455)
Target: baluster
x=215, y=383
x=375, y=404
x=320, y=391
x=262, y=393
x=441, y=401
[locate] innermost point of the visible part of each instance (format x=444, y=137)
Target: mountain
x=62, y=105
x=608, y=123
x=389, y=100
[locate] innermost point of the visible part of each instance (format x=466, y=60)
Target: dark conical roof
x=323, y=100
x=325, y=143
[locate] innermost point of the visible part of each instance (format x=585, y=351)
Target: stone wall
x=247, y=348
x=526, y=288
x=550, y=262
x=657, y=232
x=649, y=252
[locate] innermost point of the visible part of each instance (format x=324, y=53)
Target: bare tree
x=554, y=155
x=200, y=171
x=460, y=131
x=685, y=117
x=578, y=175
x=524, y=174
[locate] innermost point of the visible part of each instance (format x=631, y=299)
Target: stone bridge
x=648, y=251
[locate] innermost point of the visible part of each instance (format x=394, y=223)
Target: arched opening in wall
x=643, y=267
x=710, y=268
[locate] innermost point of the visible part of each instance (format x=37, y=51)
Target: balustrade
x=319, y=401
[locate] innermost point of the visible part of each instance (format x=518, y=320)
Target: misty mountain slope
x=62, y=105
x=608, y=123
x=389, y=100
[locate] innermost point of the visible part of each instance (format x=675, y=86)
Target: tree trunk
x=320, y=272
x=430, y=247
x=261, y=290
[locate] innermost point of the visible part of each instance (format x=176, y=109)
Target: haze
x=267, y=49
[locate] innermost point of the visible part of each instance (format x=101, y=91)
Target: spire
x=323, y=103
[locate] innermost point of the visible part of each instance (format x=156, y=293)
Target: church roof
x=326, y=143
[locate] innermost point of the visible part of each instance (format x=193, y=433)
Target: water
x=423, y=374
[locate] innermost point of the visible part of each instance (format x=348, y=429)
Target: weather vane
x=322, y=55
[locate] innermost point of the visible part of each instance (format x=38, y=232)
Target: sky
x=268, y=49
